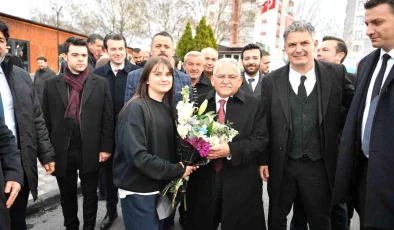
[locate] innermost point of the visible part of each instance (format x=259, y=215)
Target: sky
x=21, y=8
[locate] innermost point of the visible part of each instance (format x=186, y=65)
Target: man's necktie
x=302, y=89
x=250, y=80
x=1, y=110
x=218, y=164
x=372, y=107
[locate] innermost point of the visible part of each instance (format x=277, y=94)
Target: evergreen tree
x=203, y=38
x=186, y=43
x=213, y=39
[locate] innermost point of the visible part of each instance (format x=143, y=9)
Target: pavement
x=48, y=193
x=45, y=212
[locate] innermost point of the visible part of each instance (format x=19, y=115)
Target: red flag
x=268, y=5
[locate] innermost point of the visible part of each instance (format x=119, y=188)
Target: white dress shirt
x=8, y=103
x=256, y=80
x=217, y=99
x=113, y=68
x=295, y=80
x=390, y=63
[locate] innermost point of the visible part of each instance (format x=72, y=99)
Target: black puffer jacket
x=32, y=134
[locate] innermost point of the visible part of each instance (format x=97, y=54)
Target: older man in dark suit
x=304, y=102
x=228, y=189
x=365, y=163
x=251, y=60
x=11, y=171
x=78, y=112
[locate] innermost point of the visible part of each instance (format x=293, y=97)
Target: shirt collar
x=1, y=70
x=382, y=52
x=204, y=79
x=247, y=76
x=218, y=98
x=113, y=68
x=310, y=75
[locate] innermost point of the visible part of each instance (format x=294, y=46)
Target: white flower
x=185, y=111
x=214, y=141
x=182, y=130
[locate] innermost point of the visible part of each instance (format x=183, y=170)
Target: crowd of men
x=318, y=135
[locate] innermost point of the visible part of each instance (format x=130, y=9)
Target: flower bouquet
x=197, y=132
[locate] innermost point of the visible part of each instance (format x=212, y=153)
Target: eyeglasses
x=223, y=76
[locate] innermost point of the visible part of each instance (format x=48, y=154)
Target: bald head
x=210, y=58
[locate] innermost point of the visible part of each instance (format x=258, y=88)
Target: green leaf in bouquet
x=167, y=187
x=210, y=127
x=203, y=107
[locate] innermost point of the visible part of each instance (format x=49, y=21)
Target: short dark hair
x=264, y=53
x=163, y=33
x=42, y=59
x=372, y=3
x=93, y=37
x=341, y=45
x=73, y=41
x=117, y=37
x=4, y=29
x=136, y=50
x=65, y=46
x=251, y=46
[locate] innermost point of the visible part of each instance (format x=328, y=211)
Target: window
x=360, y=20
x=360, y=6
x=263, y=26
x=358, y=35
x=21, y=49
x=356, y=48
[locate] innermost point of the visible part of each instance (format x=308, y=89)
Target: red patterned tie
x=221, y=115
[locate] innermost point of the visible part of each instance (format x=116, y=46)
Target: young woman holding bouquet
x=145, y=158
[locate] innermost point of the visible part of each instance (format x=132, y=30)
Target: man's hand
x=12, y=188
x=104, y=156
x=264, y=173
x=50, y=167
x=221, y=151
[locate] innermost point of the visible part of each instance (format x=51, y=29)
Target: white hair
x=210, y=49
x=227, y=60
x=194, y=54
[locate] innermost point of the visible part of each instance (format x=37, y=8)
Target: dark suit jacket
x=380, y=183
x=352, y=78
x=245, y=86
x=10, y=169
x=204, y=85
x=242, y=206
x=39, y=79
x=117, y=84
x=96, y=121
x=334, y=91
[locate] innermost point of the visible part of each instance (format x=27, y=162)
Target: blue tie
x=372, y=107
x=1, y=110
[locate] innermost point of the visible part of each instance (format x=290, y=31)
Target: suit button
x=280, y=148
x=285, y=128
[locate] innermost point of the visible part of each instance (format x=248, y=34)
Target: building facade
x=265, y=28
x=355, y=30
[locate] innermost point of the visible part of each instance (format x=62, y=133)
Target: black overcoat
x=379, y=209
x=242, y=204
x=96, y=121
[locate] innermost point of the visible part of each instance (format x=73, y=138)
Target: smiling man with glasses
x=213, y=192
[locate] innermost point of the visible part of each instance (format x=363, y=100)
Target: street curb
x=46, y=201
